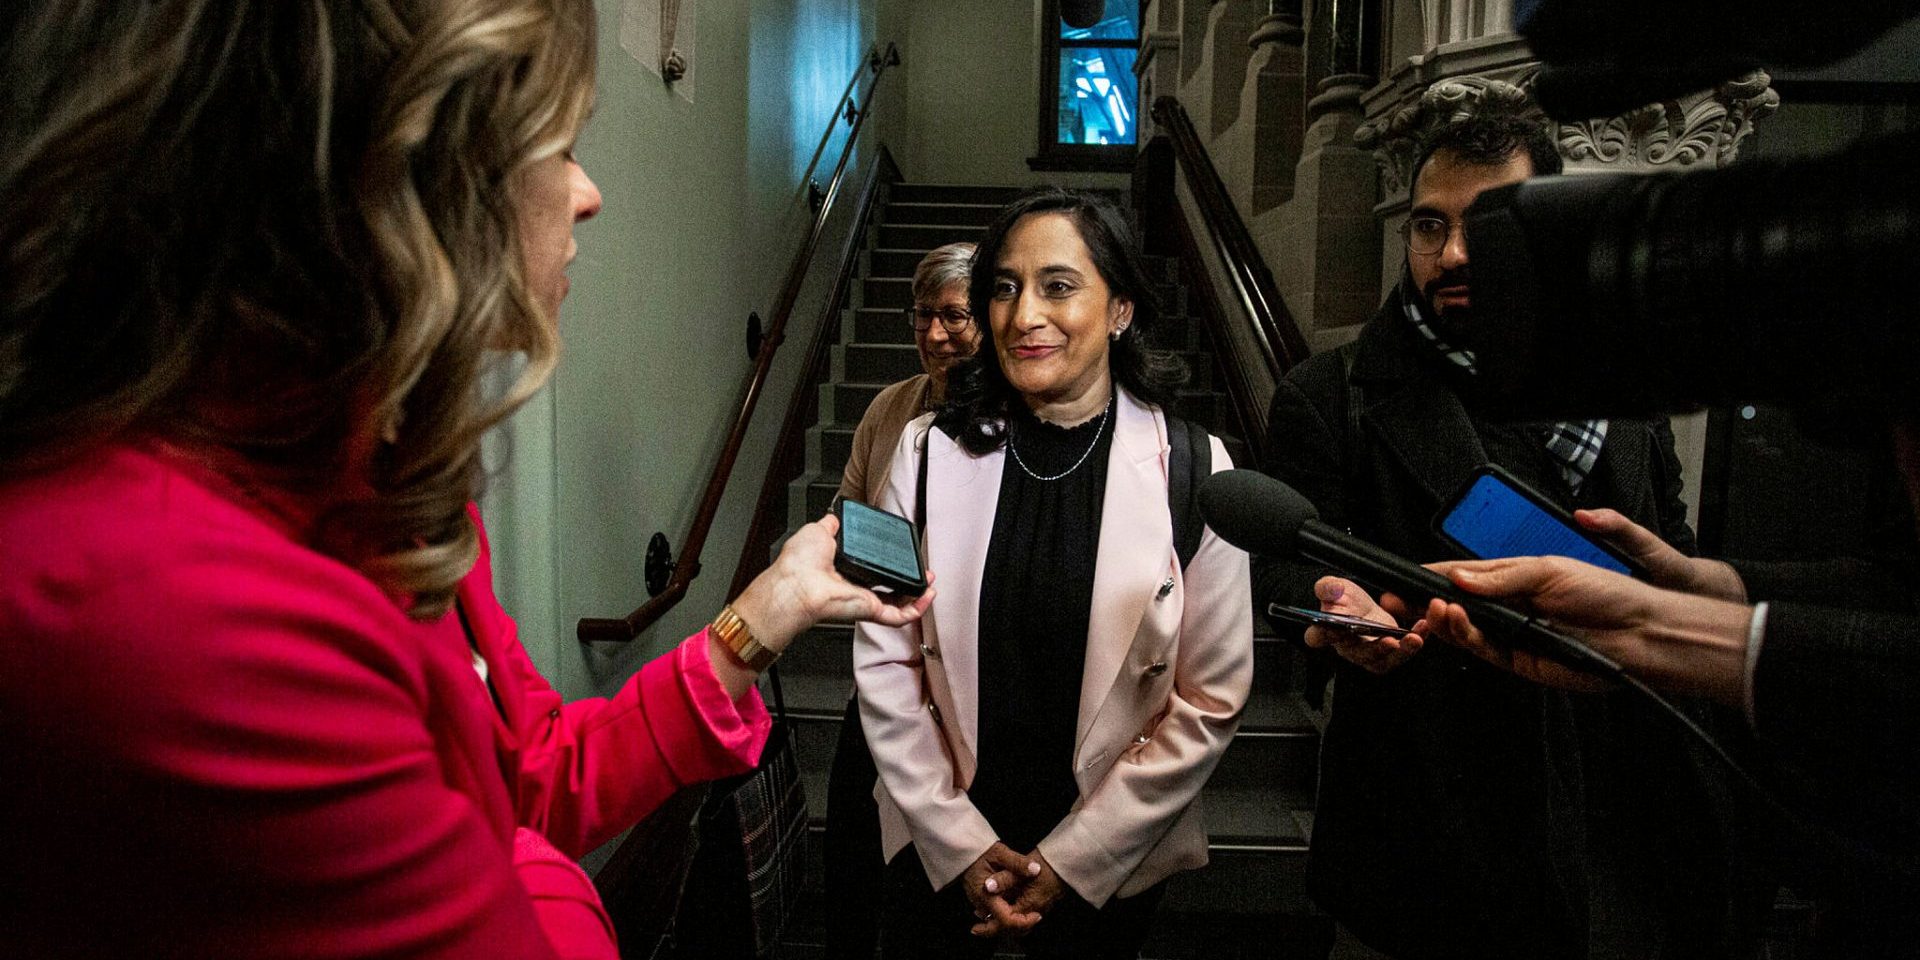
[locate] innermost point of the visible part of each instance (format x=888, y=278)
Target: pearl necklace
x=1015, y=451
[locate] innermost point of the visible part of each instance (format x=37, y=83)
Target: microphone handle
x=1416, y=585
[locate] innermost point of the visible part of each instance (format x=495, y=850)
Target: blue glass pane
x=1121, y=21
x=1098, y=95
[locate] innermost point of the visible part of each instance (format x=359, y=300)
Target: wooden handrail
x=1280, y=341
x=625, y=628
x=789, y=455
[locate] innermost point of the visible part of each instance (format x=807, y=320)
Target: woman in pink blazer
x=259, y=700
x=1043, y=733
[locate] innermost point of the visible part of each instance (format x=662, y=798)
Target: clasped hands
x=1010, y=892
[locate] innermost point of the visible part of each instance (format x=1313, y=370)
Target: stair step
x=820, y=494
x=828, y=449
x=1213, y=935
x=966, y=214
x=1246, y=877
x=895, y=263
x=895, y=293
x=877, y=362
x=923, y=236
x=817, y=670
x=881, y=325
x=951, y=193
x=847, y=400
x=1162, y=269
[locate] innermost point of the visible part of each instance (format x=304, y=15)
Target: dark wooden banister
x=769, y=519
x=688, y=566
x=1280, y=341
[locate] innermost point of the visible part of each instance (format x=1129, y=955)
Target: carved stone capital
x=1339, y=93
x=1698, y=131
x=1395, y=137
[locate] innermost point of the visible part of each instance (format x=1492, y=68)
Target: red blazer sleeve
x=594, y=767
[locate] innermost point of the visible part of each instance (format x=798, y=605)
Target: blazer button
x=929, y=652
x=1155, y=669
x=1166, y=588
x=554, y=714
x=934, y=709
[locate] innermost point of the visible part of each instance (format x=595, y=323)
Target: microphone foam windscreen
x=1255, y=512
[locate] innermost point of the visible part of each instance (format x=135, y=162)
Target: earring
x=1115, y=335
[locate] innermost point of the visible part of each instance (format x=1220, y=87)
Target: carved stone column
x=1323, y=242
x=1263, y=145
x=1211, y=92
x=1229, y=52
x=1158, y=66
x=1194, y=16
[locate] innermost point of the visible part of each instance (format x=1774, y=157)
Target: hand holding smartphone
x=1355, y=626
x=879, y=550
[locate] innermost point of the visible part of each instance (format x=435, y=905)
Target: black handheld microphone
x=1261, y=515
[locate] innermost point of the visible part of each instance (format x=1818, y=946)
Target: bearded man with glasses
x=1461, y=812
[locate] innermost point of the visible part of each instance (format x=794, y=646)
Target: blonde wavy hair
x=283, y=234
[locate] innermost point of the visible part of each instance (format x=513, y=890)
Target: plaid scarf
x=1574, y=444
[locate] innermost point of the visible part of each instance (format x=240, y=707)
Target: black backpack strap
x=1189, y=463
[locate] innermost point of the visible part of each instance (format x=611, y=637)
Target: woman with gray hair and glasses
x=943, y=329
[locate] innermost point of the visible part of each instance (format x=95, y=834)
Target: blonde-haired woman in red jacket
x=259, y=699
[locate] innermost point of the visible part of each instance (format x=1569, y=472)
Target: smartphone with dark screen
x=1332, y=621
x=1495, y=515
x=879, y=550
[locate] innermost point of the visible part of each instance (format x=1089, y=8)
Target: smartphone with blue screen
x=1495, y=516
x=879, y=550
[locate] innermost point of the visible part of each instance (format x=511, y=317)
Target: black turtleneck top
x=1036, y=597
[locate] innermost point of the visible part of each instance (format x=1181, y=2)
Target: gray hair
x=946, y=265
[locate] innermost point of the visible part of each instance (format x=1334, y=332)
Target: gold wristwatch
x=734, y=635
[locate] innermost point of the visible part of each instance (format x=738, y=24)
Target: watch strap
x=734, y=635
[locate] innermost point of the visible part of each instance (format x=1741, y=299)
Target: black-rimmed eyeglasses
x=1427, y=236
x=955, y=320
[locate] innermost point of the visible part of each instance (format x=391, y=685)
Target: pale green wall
x=702, y=214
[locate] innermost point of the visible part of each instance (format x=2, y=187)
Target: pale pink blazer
x=1169, y=661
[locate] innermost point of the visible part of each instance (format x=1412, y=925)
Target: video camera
x=1790, y=283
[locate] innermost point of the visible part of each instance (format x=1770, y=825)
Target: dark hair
x=979, y=396
x=1487, y=140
